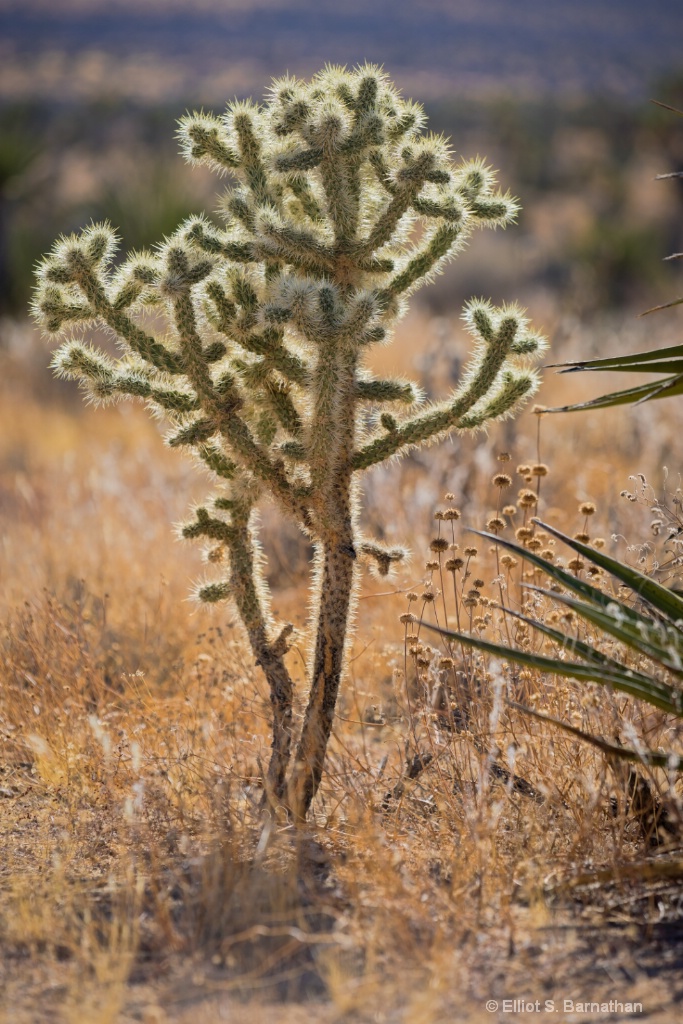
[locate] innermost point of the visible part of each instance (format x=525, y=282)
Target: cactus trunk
x=335, y=610
x=245, y=584
x=281, y=693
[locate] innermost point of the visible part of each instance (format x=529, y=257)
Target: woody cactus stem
x=341, y=206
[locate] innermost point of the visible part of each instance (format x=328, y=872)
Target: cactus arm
x=515, y=388
x=290, y=365
x=297, y=247
x=382, y=556
x=373, y=390
x=496, y=343
x=404, y=195
x=283, y=406
x=145, y=345
x=247, y=588
x=223, y=409
x=442, y=242
x=250, y=151
x=306, y=196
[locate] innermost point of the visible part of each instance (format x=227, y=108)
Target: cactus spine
x=268, y=316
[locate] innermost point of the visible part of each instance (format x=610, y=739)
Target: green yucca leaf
x=668, y=388
x=659, y=695
x=665, y=601
x=576, y=646
x=663, y=360
x=568, y=579
x=665, y=305
x=647, y=641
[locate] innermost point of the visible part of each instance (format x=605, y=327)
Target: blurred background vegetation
x=593, y=232
x=559, y=101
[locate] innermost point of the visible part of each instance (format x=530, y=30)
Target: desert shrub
x=249, y=337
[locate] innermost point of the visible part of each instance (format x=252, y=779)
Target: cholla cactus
x=341, y=207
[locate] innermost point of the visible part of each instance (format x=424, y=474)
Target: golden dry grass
x=137, y=882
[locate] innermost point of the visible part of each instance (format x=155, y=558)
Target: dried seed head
x=509, y=510
x=535, y=544
x=583, y=537
x=598, y=542
x=438, y=544
x=540, y=469
x=438, y=514
x=427, y=597
x=548, y=554
x=471, y=552
x=502, y=480
x=524, y=470
x=575, y=564
x=449, y=497
x=527, y=498
x=470, y=602
x=504, y=456
x=453, y=564
x=495, y=525
x=431, y=566
x=452, y=513
x=477, y=583
x=446, y=663
x=411, y=597
x=508, y=561
x=587, y=508
x=524, y=533
x=406, y=618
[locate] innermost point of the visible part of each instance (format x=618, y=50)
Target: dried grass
x=137, y=882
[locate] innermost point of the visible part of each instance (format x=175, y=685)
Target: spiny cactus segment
x=340, y=207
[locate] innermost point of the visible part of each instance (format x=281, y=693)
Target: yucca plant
x=650, y=627
x=648, y=624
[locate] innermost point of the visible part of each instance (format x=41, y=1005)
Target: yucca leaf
x=667, y=360
x=567, y=579
x=568, y=643
x=629, y=396
x=657, y=694
x=663, y=600
x=660, y=696
x=667, y=106
x=599, y=618
x=665, y=305
x=631, y=637
x=654, y=758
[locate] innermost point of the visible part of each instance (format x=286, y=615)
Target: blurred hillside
x=213, y=48
x=555, y=95
x=594, y=228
